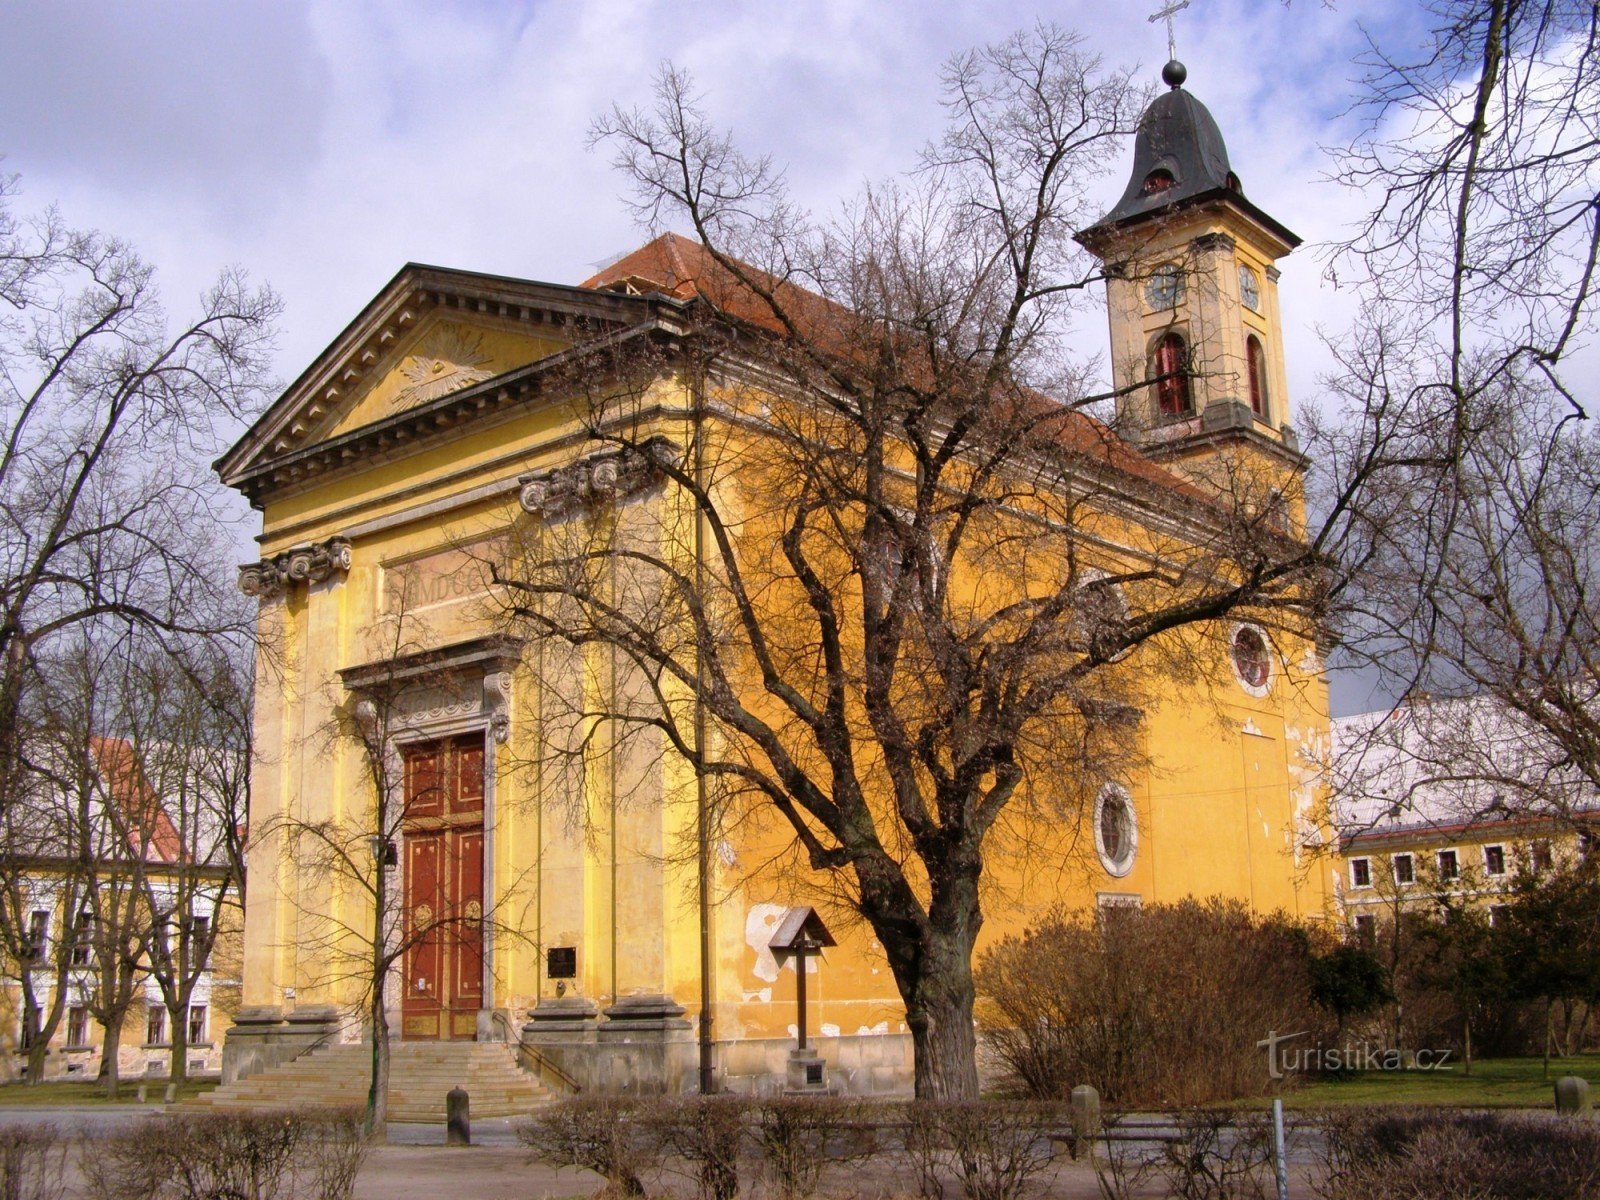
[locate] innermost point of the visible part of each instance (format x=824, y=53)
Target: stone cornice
x=401, y=433
x=325, y=387
x=608, y=477
x=308, y=564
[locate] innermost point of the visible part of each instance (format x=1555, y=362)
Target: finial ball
x=1174, y=73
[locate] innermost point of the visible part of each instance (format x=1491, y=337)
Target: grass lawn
x=72, y=1093
x=1494, y=1083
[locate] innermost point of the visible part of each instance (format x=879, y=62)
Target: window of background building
x=1540, y=855
x=38, y=932
x=1366, y=926
x=83, y=939
x=1405, y=869
x=1499, y=913
x=1449, y=865
x=1494, y=860
x=77, y=1025
x=1360, y=872
x=155, y=1026
x=197, y=1024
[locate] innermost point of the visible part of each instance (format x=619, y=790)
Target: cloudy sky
x=321, y=144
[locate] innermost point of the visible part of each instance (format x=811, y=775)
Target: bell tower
x=1192, y=298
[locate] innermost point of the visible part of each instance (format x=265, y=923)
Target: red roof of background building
x=150, y=831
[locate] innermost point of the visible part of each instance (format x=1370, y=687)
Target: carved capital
x=271, y=578
x=597, y=480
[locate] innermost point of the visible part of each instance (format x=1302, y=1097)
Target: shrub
x=1433, y=1154
x=232, y=1156
x=1219, y=1155
x=1157, y=1006
x=604, y=1134
x=799, y=1136
x=996, y=1150
x=336, y=1149
x=709, y=1134
x=33, y=1163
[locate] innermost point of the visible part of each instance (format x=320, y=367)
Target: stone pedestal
x=644, y=1046
x=807, y=1073
x=561, y=1021
x=264, y=1037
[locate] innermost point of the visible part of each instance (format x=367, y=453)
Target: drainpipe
x=708, y=1078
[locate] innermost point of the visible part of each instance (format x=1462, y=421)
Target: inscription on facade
x=448, y=576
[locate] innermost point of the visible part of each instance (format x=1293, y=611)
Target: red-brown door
x=443, y=890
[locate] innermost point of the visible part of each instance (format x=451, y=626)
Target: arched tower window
x=1256, y=363
x=1169, y=365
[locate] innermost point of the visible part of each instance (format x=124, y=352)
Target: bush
x=233, y=1156
x=33, y=1163
x=1433, y=1154
x=707, y=1133
x=1162, y=1005
x=608, y=1135
x=1208, y=1154
x=996, y=1150
x=799, y=1136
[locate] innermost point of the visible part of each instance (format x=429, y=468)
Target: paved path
x=416, y=1165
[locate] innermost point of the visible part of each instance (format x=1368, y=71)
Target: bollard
x=171, y=1093
x=1085, y=1102
x=457, y=1118
x=144, y=1092
x=1572, y=1095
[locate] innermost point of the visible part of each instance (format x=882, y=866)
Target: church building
x=554, y=910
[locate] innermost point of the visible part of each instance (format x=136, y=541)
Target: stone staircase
x=420, y=1073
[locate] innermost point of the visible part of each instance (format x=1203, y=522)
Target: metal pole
x=1277, y=1145
x=800, y=970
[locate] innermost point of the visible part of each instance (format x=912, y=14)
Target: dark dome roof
x=1178, y=153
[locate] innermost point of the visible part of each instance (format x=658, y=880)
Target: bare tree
x=42, y=888
x=875, y=607
x=188, y=726
x=108, y=416
x=1472, y=573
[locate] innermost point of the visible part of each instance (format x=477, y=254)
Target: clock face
x=1165, y=287
x=1249, y=289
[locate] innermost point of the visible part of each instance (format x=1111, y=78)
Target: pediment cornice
x=289, y=433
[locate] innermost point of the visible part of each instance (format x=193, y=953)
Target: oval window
x=1116, y=835
x=1252, y=659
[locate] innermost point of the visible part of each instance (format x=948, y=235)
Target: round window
x=1252, y=659
x=1116, y=836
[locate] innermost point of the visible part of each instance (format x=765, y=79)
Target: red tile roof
x=150, y=831
x=683, y=268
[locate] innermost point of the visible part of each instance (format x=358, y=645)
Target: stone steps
x=420, y=1073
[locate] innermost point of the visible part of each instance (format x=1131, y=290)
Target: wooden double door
x=443, y=899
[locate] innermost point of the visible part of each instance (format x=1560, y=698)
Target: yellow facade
x=442, y=427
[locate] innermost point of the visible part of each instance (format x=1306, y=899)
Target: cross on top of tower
x=1165, y=13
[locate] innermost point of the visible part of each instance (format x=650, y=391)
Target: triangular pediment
x=430, y=334
x=443, y=354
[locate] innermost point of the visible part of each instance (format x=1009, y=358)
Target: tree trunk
x=37, y=1046
x=939, y=1014
x=1466, y=1043
x=378, y=1088
x=110, y=1052
x=178, y=1056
